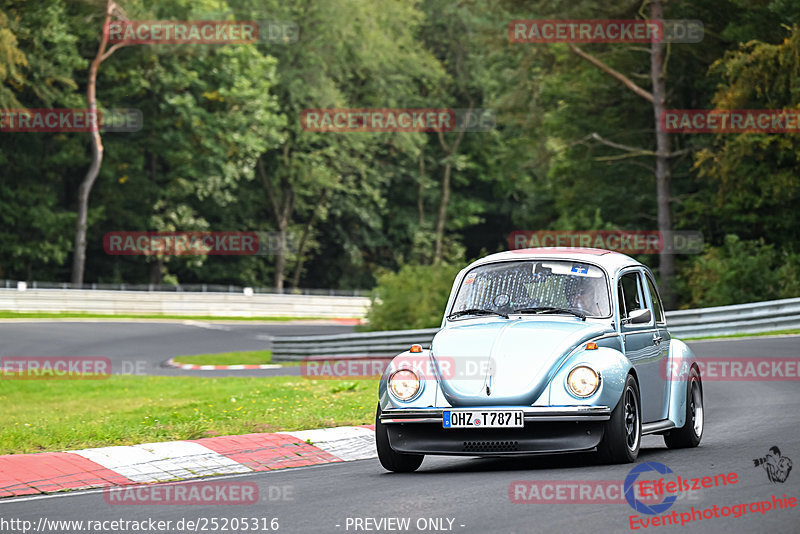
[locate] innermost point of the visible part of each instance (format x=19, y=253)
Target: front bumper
x=532, y=413
x=547, y=430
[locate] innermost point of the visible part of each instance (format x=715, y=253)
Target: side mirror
x=638, y=317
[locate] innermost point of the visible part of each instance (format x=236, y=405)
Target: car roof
x=608, y=259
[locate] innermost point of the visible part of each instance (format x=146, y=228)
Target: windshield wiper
x=551, y=309
x=476, y=311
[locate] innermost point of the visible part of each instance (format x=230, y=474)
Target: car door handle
x=657, y=339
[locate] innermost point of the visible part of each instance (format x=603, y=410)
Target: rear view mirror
x=638, y=317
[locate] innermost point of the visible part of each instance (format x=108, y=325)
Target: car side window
x=658, y=307
x=630, y=294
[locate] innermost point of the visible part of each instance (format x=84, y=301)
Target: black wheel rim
x=631, y=419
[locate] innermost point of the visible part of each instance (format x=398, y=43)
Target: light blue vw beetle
x=541, y=351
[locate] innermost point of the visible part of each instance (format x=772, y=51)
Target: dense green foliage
x=742, y=271
x=413, y=297
x=222, y=147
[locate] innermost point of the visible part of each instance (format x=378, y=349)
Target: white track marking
x=346, y=442
x=209, y=326
x=160, y=462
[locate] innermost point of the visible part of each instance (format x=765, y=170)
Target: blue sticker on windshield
x=580, y=269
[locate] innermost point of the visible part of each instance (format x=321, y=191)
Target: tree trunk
x=280, y=257
x=451, y=151
x=282, y=212
x=156, y=262
x=666, y=257
x=421, y=188
x=298, y=268
x=437, y=253
x=81, y=226
x=156, y=271
x=79, y=258
x=657, y=99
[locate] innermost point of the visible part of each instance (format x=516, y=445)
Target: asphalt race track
x=143, y=347
x=743, y=420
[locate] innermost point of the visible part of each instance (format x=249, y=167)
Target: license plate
x=482, y=419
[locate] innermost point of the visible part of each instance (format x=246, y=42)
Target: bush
x=414, y=297
x=740, y=272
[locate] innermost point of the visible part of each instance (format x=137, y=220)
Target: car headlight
x=583, y=381
x=404, y=384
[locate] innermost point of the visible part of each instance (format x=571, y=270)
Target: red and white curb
x=192, y=367
x=48, y=472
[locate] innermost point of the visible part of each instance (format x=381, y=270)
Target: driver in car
x=582, y=296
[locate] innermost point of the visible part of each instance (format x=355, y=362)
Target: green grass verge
x=773, y=333
x=53, y=415
x=42, y=315
x=255, y=357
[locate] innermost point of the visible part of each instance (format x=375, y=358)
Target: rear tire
x=390, y=460
x=690, y=434
x=622, y=434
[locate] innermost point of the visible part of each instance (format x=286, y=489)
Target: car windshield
x=534, y=287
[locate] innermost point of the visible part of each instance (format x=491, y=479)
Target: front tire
x=622, y=434
x=390, y=459
x=690, y=434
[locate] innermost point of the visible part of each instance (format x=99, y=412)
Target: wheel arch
x=676, y=370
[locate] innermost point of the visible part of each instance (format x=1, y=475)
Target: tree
x=208, y=113
x=11, y=62
x=662, y=154
x=755, y=175
x=37, y=69
x=349, y=54
x=573, y=149
x=103, y=53
x=414, y=297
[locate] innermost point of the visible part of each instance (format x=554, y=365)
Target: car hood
x=514, y=358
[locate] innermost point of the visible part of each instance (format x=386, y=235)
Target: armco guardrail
x=170, y=303
x=723, y=320
x=201, y=288
x=738, y=319
x=372, y=344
